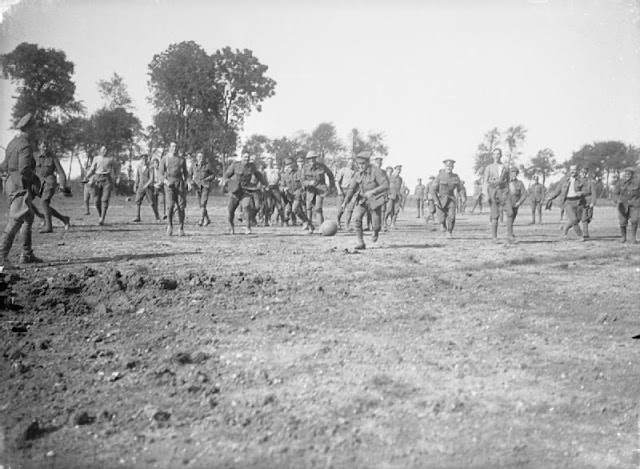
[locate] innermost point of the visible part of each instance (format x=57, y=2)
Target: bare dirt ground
x=283, y=350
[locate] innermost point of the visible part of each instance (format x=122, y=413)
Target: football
x=329, y=227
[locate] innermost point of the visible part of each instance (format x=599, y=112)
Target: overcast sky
x=434, y=76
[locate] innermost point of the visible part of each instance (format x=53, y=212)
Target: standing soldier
x=378, y=162
x=158, y=186
x=626, y=196
x=418, y=193
x=272, y=195
x=201, y=175
x=246, y=180
x=21, y=186
x=537, y=193
x=462, y=198
x=517, y=194
x=431, y=206
x=590, y=194
x=444, y=191
x=571, y=198
x=143, y=187
x=314, y=183
x=496, y=190
x=292, y=189
x=369, y=185
x=49, y=169
x=343, y=179
x=395, y=194
x=104, y=170
x=175, y=175
x=477, y=195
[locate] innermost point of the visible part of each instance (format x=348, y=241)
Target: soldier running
x=201, y=175
x=537, y=193
x=143, y=187
x=445, y=191
x=49, y=169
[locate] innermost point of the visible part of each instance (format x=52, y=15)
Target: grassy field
x=277, y=349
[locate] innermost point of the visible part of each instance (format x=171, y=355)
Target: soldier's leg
x=205, y=201
x=154, y=203
x=376, y=223
x=634, y=216
x=359, y=213
x=623, y=219
x=46, y=211
x=232, y=205
x=511, y=213
x=451, y=217
x=96, y=193
x=319, y=205
x=349, y=211
x=181, y=205
x=140, y=195
x=248, y=209
x=9, y=234
x=534, y=205
x=86, y=198
x=585, y=218
x=494, y=214
x=442, y=218
x=170, y=196
x=106, y=196
x=25, y=239
x=199, y=199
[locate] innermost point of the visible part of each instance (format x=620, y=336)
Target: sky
x=433, y=76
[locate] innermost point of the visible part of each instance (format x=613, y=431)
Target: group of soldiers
x=295, y=193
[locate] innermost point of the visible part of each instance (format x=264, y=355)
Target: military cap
x=288, y=160
x=26, y=120
x=363, y=157
x=631, y=169
x=312, y=154
x=447, y=160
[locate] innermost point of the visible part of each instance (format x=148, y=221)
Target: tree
x=114, y=93
x=514, y=137
x=485, y=149
x=544, y=163
x=113, y=128
x=284, y=147
x=257, y=146
x=324, y=139
x=45, y=88
x=242, y=85
x=605, y=158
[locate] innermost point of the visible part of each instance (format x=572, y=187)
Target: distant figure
x=477, y=195
x=590, y=194
x=570, y=192
x=143, y=187
x=343, y=179
x=49, y=170
x=418, y=193
x=518, y=194
x=104, y=171
x=445, y=191
x=175, y=175
x=626, y=196
x=496, y=189
x=462, y=198
x=201, y=175
x=537, y=193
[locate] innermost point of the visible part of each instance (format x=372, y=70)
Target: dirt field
x=288, y=351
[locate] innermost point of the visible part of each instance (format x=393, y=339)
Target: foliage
x=514, y=137
x=114, y=93
x=324, y=139
x=485, y=148
x=605, y=158
x=113, y=128
x=257, y=146
x=543, y=164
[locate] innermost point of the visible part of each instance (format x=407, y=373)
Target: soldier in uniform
x=314, y=183
x=143, y=187
x=537, y=193
x=477, y=195
x=517, y=194
x=49, y=169
x=291, y=187
x=431, y=206
x=175, y=175
x=104, y=170
x=201, y=175
x=571, y=197
x=272, y=194
x=626, y=196
x=244, y=179
x=369, y=185
x=418, y=193
x=590, y=194
x=394, y=196
x=444, y=191
x=343, y=179
x=158, y=186
x=496, y=190
x=462, y=198
x=21, y=186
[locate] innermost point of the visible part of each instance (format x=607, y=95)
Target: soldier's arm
x=383, y=183
x=594, y=194
x=61, y=174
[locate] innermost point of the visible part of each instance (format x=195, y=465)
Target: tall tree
x=544, y=164
x=324, y=139
x=114, y=93
x=605, y=158
x=483, y=157
x=283, y=147
x=514, y=138
x=257, y=145
x=242, y=86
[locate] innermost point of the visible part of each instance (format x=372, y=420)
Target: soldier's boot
x=155, y=213
x=27, y=256
x=103, y=215
x=585, y=229
x=320, y=215
x=359, y=239
x=578, y=231
x=98, y=205
x=623, y=234
x=375, y=235
x=201, y=221
x=137, y=217
x=46, y=211
x=247, y=217
x=8, y=236
x=632, y=233
x=494, y=231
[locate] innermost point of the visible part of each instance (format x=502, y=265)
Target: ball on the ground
x=329, y=227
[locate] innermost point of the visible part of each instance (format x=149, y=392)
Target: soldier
x=158, y=186
x=49, y=169
x=517, y=194
x=104, y=170
x=291, y=187
x=431, y=206
x=444, y=191
x=462, y=198
x=590, y=194
x=477, y=195
x=343, y=179
x=314, y=183
x=177, y=182
x=570, y=192
x=626, y=196
x=143, y=187
x=394, y=196
x=201, y=175
x=272, y=195
x=418, y=193
x=246, y=180
x=378, y=162
x=21, y=186
x=537, y=193
x=86, y=191
x=496, y=189
x=369, y=185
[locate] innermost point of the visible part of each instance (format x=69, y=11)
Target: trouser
x=273, y=202
x=501, y=205
x=48, y=190
x=20, y=220
x=315, y=199
x=148, y=192
x=294, y=207
x=477, y=203
x=202, y=193
x=86, y=197
x=392, y=205
x=628, y=215
x=246, y=201
x=420, y=207
x=359, y=212
x=447, y=215
x=536, y=207
x=101, y=192
x=176, y=196
x=348, y=210
x=573, y=209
